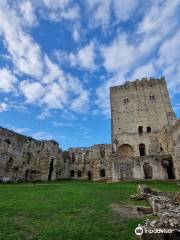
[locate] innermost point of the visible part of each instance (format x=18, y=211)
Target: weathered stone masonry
x=145, y=143
x=24, y=158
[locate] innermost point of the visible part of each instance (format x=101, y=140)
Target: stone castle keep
x=145, y=143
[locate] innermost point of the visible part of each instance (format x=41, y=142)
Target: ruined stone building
x=26, y=159
x=145, y=143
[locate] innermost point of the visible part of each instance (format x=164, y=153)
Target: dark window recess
x=73, y=157
x=89, y=174
x=148, y=171
x=79, y=173
x=142, y=149
x=161, y=149
x=126, y=100
x=148, y=129
x=102, y=173
x=51, y=166
x=152, y=97
x=7, y=141
x=72, y=173
x=140, y=130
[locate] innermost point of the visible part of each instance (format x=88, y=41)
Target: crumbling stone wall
x=147, y=167
x=24, y=158
x=165, y=205
x=169, y=140
x=88, y=163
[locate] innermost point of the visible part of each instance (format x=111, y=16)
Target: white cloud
x=33, y=91
x=169, y=61
x=84, y=58
x=27, y=11
x=103, y=93
x=76, y=34
x=46, y=113
x=53, y=72
x=61, y=124
x=119, y=55
x=42, y=135
x=147, y=70
x=58, y=10
x=3, y=107
x=124, y=9
x=103, y=10
x=25, y=53
x=7, y=80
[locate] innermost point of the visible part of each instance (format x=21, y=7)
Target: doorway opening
x=142, y=149
x=51, y=166
x=102, y=173
x=148, y=171
x=89, y=175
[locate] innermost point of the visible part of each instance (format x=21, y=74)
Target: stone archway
x=102, y=173
x=126, y=150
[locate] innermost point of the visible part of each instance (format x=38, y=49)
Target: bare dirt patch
x=126, y=211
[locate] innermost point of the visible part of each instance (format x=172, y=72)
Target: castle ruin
x=145, y=143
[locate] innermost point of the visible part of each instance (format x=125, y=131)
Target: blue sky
x=58, y=59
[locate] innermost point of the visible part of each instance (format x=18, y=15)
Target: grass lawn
x=69, y=210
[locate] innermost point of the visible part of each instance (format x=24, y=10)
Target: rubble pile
x=165, y=205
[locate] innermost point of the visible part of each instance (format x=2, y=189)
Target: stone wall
x=88, y=163
x=24, y=158
x=169, y=140
x=139, y=110
x=147, y=167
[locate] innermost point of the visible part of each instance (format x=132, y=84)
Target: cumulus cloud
x=47, y=84
x=7, y=80
x=103, y=10
x=25, y=53
x=151, y=50
x=84, y=58
x=57, y=10
x=3, y=107
x=33, y=91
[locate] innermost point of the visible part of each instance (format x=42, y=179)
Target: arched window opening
x=125, y=150
x=27, y=174
x=79, y=173
x=142, y=149
x=9, y=163
x=29, y=156
x=72, y=173
x=102, y=173
x=168, y=164
x=148, y=129
x=7, y=141
x=140, y=130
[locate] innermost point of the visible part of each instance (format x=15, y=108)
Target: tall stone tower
x=139, y=110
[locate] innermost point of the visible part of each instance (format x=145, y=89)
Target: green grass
x=69, y=210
